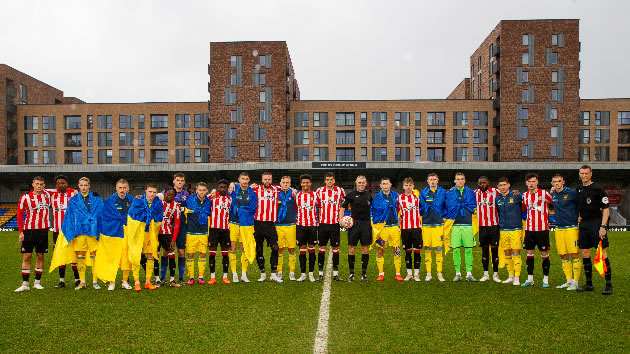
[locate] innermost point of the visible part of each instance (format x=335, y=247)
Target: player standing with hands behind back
x=359, y=201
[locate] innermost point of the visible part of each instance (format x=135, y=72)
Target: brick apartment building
x=521, y=103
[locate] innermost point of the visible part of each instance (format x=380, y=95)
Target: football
x=347, y=221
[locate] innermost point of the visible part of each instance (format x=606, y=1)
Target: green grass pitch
x=364, y=317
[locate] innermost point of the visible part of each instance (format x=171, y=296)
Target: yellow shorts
x=241, y=234
x=567, y=240
x=389, y=234
x=432, y=236
x=286, y=236
x=84, y=243
x=196, y=243
x=150, y=243
x=511, y=240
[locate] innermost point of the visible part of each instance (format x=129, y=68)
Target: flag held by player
x=599, y=263
x=142, y=219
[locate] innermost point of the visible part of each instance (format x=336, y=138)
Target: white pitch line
x=321, y=337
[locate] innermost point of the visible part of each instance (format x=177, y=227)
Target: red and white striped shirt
x=306, y=204
x=36, y=207
x=409, y=206
x=220, y=216
x=59, y=205
x=171, y=218
x=486, y=208
x=267, y=203
x=329, y=203
x=537, y=206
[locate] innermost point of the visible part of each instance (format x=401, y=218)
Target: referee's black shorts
x=329, y=232
x=538, y=239
x=589, y=234
x=360, y=231
x=489, y=236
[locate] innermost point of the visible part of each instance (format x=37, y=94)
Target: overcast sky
x=147, y=51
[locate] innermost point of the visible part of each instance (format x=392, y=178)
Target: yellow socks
x=516, y=258
x=397, y=261
x=566, y=267
x=244, y=262
x=232, y=256
x=125, y=275
x=149, y=269
x=439, y=257
x=428, y=260
x=136, y=272
x=510, y=264
x=379, y=263
x=190, y=267
x=577, y=268
x=202, y=264
x=292, y=262
x=280, y=261
x=81, y=267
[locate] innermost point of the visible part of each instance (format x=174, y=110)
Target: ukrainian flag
x=78, y=221
x=112, y=240
x=142, y=219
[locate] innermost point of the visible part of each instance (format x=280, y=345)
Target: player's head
x=266, y=179
x=169, y=194
x=329, y=179
x=432, y=180
x=361, y=183
x=38, y=184
x=179, y=179
x=305, y=182
x=285, y=183
x=408, y=185
x=483, y=183
x=504, y=185
x=243, y=179
x=531, y=179
x=222, y=187
x=460, y=180
x=151, y=191
x=586, y=174
x=557, y=181
x=122, y=188
x=61, y=183
x=84, y=185
x=202, y=190
x=386, y=184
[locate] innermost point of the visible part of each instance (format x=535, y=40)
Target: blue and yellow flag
x=143, y=220
x=78, y=221
x=112, y=239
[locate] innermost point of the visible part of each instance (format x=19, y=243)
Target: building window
x=262, y=60
x=344, y=154
x=24, y=100
x=261, y=96
x=182, y=138
x=554, y=76
x=554, y=58
x=554, y=114
x=435, y=154
x=202, y=138
x=623, y=136
x=525, y=95
x=435, y=137
x=125, y=139
x=401, y=136
x=401, y=119
x=90, y=139
x=90, y=122
x=460, y=154
x=182, y=155
x=50, y=157
x=73, y=157
x=602, y=153
x=524, y=150
x=125, y=122
x=363, y=154
x=379, y=119
x=233, y=79
x=261, y=115
x=379, y=136
x=525, y=39
x=141, y=156
x=602, y=136
x=233, y=97
x=74, y=140
x=525, y=59
x=182, y=121
x=159, y=121
x=436, y=118
x=480, y=119
x=623, y=154
x=90, y=156
x=379, y=154
x=301, y=119
x=261, y=81
x=554, y=132
x=418, y=136
x=554, y=151
x=585, y=153
x=554, y=95
x=364, y=119
x=480, y=136
x=344, y=137
x=524, y=113
x=460, y=119
x=585, y=136
x=49, y=140
x=363, y=136
x=480, y=154
x=301, y=137
x=30, y=123
x=104, y=156
x=159, y=156
x=261, y=134
x=201, y=155
x=345, y=119
x=522, y=132
x=602, y=118
x=525, y=76
x=233, y=133
x=233, y=61
x=554, y=39
x=460, y=136
x=125, y=156
x=73, y=122
x=320, y=119
x=31, y=157
x=417, y=154
x=141, y=121
x=104, y=122
x=417, y=119
x=159, y=139
x=202, y=120
x=300, y=154
x=50, y=123
x=105, y=139
x=141, y=139
x=623, y=118
x=401, y=154
x=320, y=154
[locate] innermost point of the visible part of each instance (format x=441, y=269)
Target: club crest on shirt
x=605, y=200
x=588, y=200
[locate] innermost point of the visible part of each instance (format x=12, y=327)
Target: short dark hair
x=306, y=176
x=586, y=167
x=329, y=174
x=151, y=185
x=168, y=189
x=266, y=173
x=386, y=179
x=557, y=175
x=483, y=177
x=222, y=181
x=201, y=184
x=530, y=176
x=460, y=174
x=180, y=175
x=432, y=174
x=503, y=179
x=408, y=180
x=243, y=174
x=61, y=177
x=39, y=178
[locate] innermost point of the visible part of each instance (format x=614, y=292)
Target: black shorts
x=589, y=234
x=55, y=236
x=180, y=241
x=411, y=238
x=219, y=236
x=164, y=241
x=265, y=231
x=329, y=232
x=538, y=239
x=305, y=235
x=37, y=239
x=489, y=236
x=360, y=231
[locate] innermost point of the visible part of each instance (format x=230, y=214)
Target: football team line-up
x=127, y=233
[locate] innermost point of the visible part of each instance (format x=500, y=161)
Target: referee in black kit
x=359, y=201
x=593, y=206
